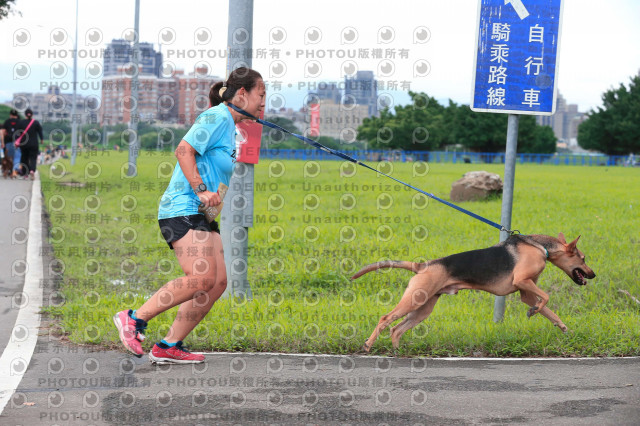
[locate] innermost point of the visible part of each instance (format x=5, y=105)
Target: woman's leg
x=193, y=311
x=10, y=150
x=17, y=158
x=196, y=253
x=32, y=162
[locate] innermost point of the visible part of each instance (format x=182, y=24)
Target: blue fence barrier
x=448, y=157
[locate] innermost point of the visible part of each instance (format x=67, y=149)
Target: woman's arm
x=186, y=156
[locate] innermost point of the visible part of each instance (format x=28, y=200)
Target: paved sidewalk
x=71, y=385
x=15, y=196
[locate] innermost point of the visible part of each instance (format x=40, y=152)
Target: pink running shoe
x=178, y=354
x=130, y=331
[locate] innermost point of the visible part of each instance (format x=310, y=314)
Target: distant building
x=329, y=91
x=55, y=105
x=564, y=121
x=193, y=93
x=364, y=88
x=339, y=120
x=338, y=114
x=179, y=99
x=297, y=117
x=117, y=103
x=120, y=52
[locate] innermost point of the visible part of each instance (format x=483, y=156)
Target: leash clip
x=510, y=232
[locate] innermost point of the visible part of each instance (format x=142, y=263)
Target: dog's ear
x=573, y=245
x=561, y=238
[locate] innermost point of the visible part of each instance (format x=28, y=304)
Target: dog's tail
x=411, y=266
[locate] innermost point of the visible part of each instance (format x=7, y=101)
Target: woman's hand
x=209, y=199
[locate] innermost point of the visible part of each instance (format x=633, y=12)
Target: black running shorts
x=175, y=228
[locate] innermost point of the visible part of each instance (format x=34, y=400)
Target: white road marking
x=17, y=354
x=416, y=358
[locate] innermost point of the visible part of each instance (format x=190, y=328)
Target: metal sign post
x=134, y=146
x=237, y=214
x=507, y=196
x=74, y=122
x=516, y=64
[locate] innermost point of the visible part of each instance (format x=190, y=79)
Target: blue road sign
x=516, y=61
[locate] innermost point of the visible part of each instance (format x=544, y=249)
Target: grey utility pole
x=74, y=124
x=133, y=121
x=237, y=214
x=507, y=196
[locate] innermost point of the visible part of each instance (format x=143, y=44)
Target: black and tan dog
x=510, y=266
x=6, y=164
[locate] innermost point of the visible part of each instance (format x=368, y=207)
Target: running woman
x=206, y=158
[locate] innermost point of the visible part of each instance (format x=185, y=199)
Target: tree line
x=426, y=125
x=614, y=128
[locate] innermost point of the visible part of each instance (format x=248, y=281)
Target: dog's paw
x=364, y=349
x=532, y=311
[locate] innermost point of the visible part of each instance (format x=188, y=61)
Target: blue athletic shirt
x=213, y=137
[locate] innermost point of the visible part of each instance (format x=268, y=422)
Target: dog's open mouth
x=579, y=276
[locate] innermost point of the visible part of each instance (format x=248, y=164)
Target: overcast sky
x=598, y=46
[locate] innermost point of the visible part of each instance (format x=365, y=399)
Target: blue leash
x=353, y=160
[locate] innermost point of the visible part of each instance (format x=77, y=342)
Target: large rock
x=476, y=186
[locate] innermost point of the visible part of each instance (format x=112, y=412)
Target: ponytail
x=214, y=94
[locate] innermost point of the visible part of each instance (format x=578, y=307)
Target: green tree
x=4, y=112
x=57, y=132
x=170, y=137
x=481, y=132
x=614, y=128
x=428, y=126
x=487, y=132
x=419, y=126
x=283, y=122
x=149, y=141
x=6, y=8
x=532, y=138
x=276, y=139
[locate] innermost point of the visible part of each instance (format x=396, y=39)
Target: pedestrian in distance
x=206, y=158
x=10, y=132
x=29, y=142
x=6, y=162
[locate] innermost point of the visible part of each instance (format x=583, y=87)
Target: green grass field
x=317, y=223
